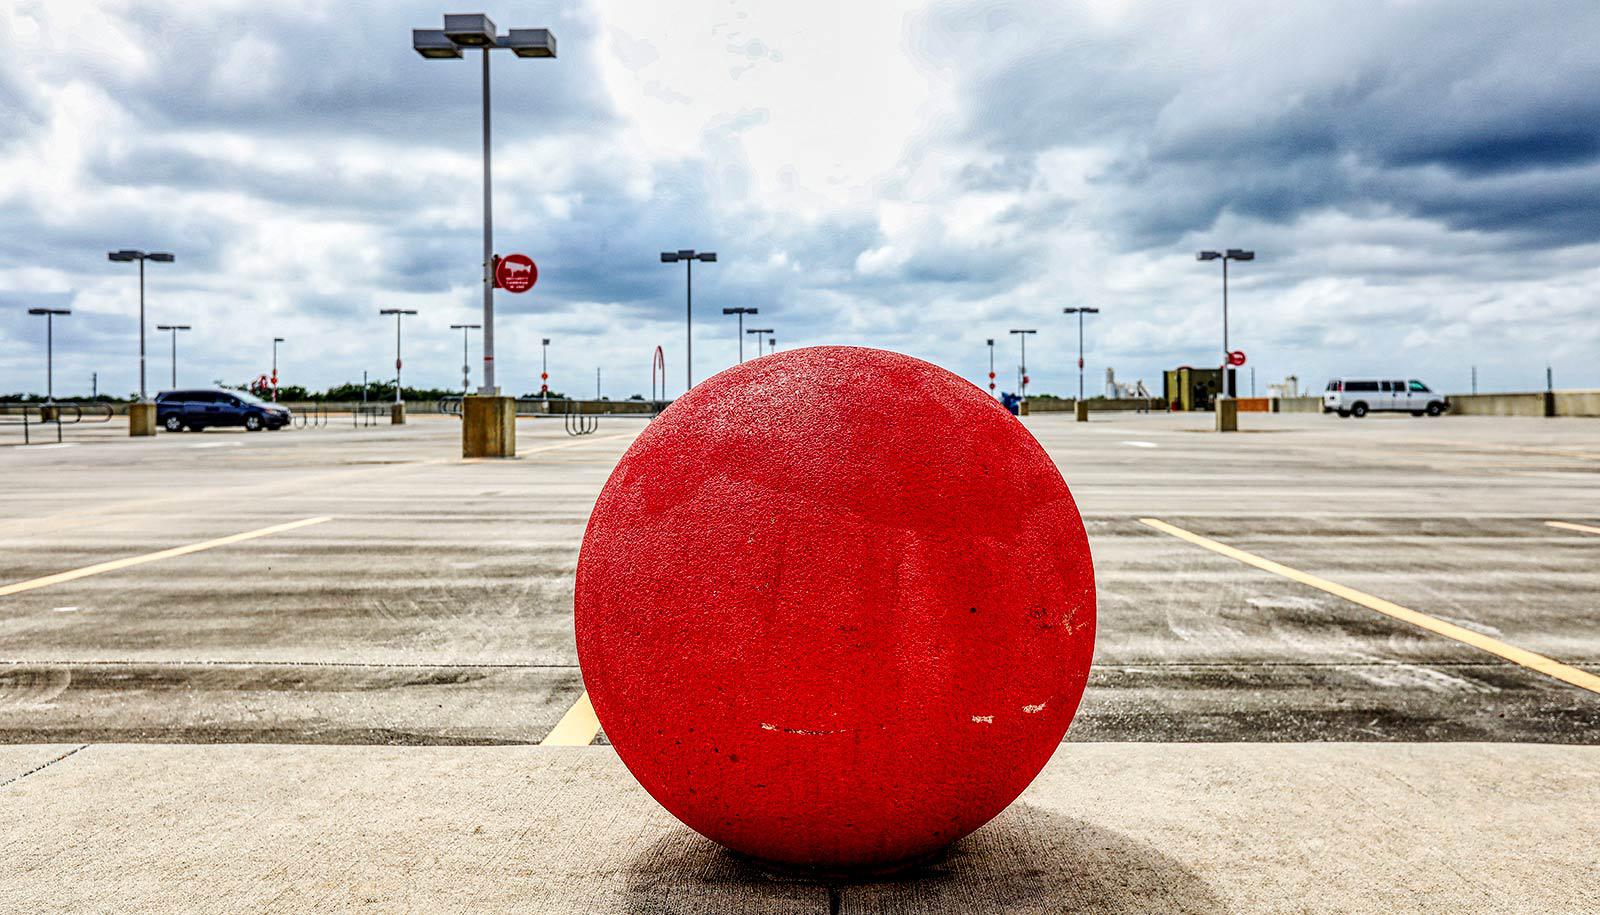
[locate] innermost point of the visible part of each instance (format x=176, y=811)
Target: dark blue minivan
x=203, y=408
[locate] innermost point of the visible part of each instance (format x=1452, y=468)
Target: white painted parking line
x=577, y=728
x=113, y=565
x=1569, y=526
x=1142, y=444
x=217, y=445
x=55, y=445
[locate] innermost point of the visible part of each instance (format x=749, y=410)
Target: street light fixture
x=1231, y=254
x=466, y=372
x=127, y=255
x=758, y=331
x=741, y=312
x=1022, y=336
x=398, y=313
x=1080, y=312
x=772, y=345
x=174, y=328
x=49, y=348
x=477, y=31
x=688, y=256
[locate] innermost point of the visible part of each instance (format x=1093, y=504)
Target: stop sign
x=515, y=273
x=1236, y=357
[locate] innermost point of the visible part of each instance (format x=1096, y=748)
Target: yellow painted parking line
x=115, y=564
x=1569, y=526
x=1548, y=666
x=577, y=728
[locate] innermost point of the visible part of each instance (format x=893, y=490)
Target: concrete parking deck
x=433, y=606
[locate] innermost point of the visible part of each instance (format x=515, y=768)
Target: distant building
x=1122, y=390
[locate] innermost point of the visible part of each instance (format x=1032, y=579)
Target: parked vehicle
x=202, y=408
x=1359, y=396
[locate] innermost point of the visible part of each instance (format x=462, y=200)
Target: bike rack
x=314, y=416
x=450, y=406
x=101, y=413
x=365, y=415
x=658, y=360
x=579, y=423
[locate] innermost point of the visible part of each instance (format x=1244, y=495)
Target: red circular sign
x=1236, y=357
x=516, y=273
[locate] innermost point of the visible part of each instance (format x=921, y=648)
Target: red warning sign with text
x=515, y=273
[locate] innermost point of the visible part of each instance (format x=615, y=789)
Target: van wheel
x=252, y=423
x=1416, y=412
x=1344, y=414
x=1435, y=408
x=174, y=424
x=1358, y=410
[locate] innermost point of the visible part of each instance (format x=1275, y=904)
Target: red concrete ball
x=835, y=608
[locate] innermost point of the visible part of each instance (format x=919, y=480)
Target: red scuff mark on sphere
x=835, y=607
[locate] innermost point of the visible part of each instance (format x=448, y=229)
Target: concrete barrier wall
x=1096, y=405
x=1567, y=403
x=1578, y=403
x=1298, y=405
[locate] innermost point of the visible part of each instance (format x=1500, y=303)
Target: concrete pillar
x=397, y=414
x=1227, y=410
x=141, y=419
x=1022, y=408
x=488, y=427
x=47, y=413
x=1080, y=409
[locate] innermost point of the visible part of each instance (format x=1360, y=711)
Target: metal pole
x=466, y=375
x=397, y=357
x=488, y=249
x=597, y=383
x=741, y=338
x=1023, y=383
x=174, y=357
x=688, y=334
x=49, y=358
x=274, y=370
x=1080, y=355
x=1474, y=379
x=94, y=385
x=1227, y=389
x=142, y=396
x=363, y=385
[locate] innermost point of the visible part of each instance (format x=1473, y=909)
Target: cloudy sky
x=1420, y=179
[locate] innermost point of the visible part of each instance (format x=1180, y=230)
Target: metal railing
x=365, y=415
x=64, y=413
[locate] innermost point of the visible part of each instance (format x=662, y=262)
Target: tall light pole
x=688, y=256
x=466, y=372
x=50, y=348
x=132, y=254
x=990, y=341
x=1022, y=335
x=173, y=329
x=275, y=342
x=476, y=31
x=741, y=312
x=544, y=368
x=1080, y=312
x=399, y=313
x=1231, y=254
x=758, y=331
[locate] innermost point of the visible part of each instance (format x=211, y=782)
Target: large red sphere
x=835, y=607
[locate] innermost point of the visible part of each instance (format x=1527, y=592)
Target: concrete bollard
x=1080, y=410
x=830, y=642
x=488, y=427
x=1227, y=410
x=397, y=414
x=1022, y=408
x=48, y=413
x=141, y=419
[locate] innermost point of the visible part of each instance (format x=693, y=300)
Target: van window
x=1418, y=386
x=1333, y=385
x=1361, y=386
x=1386, y=385
x=1399, y=386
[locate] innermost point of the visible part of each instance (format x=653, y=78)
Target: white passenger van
x=1358, y=396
